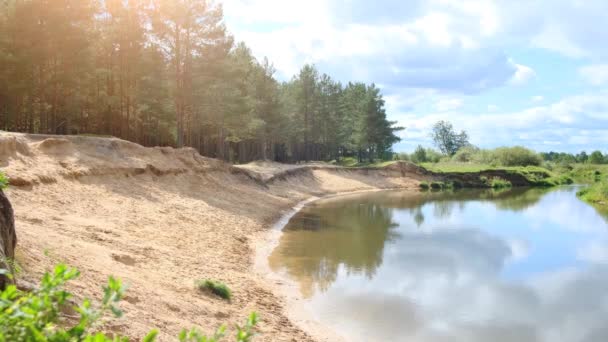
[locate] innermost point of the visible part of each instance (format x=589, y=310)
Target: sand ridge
x=161, y=219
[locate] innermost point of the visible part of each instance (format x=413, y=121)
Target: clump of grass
x=3, y=181
x=499, y=183
x=437, y=185
x=217, y=288
x=424, y=185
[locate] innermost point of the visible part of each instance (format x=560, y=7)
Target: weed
x=217, y=288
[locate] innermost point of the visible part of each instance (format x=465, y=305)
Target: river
x=515, y=266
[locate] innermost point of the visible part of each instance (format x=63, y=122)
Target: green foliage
x=517, y=156
x=419, y=155
x=499, y=183
x=596, y=194
x=597, y=157
x=168, y=73
x=3, y=181
x=243, y=333
x=217, y=288
x=466, y=154
x=37, y=315
x=437, y=185
x=424, y=185
x=401, y=156
x=34, y=316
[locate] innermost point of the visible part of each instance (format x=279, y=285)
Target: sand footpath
x=163, y=218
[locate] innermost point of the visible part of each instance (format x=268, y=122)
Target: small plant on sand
x=217, y=288
x=424, y=185
x=3, y=181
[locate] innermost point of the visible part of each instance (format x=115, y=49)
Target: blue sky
x=532, y=72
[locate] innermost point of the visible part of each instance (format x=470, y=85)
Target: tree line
x=167, y=72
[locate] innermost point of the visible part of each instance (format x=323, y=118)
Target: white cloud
x=596, y=74
x=537, y=98
x=493, y=108
x=445, y=105
x=573, y=124
x=439, y=46
x=523, y=74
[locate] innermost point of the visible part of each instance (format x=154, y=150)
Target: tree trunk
x=8, y=239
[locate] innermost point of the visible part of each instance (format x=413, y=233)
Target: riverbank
x=161, y=219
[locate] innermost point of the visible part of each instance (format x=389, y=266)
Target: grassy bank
x=597, y=178
x=536, y=175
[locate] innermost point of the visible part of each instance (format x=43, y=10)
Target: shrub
x=401, y=156
x=597, y=157
x=466, y=154
x=217, y=288
x=36, y=315
x=419, y=155
x=424, y=185
x=499, y=183
x=3, y=181
x=437, y=185
x=517, y=156
x=433, y=156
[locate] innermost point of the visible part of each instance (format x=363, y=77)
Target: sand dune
x=160, y=219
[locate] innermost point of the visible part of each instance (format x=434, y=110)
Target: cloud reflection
x=445, y=280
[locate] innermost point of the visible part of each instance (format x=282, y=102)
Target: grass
x=536, y=175
x=217, y=288
x=595, y=194
x=456, y=167
x=587, y=173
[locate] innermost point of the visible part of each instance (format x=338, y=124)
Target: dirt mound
x=161, y=219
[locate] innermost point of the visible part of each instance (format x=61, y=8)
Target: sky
x=509, y=72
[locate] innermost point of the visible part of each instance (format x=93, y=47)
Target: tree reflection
x=322, y=238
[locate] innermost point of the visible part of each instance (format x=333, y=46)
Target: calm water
x=517, y=266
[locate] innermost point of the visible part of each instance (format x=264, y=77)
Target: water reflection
x=523, y=265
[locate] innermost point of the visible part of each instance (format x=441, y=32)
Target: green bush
x=37, y=316
x=517, y=156
x=466, y=154
x=215, y=287
x=424, y=185
x=437, y=185
x=499, y=183
x=3, y=181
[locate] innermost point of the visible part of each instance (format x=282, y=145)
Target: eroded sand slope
x=160, y=219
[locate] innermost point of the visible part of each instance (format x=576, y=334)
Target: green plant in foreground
x=3, y=181
x=37, y=315
x=215, y=287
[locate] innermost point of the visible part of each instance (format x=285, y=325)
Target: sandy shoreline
x=160, y=219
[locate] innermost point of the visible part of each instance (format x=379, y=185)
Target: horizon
x=533, y=75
